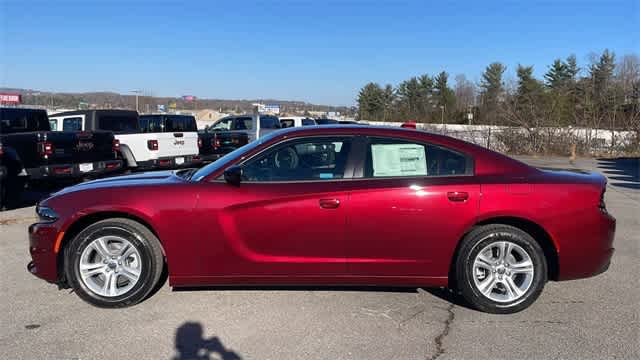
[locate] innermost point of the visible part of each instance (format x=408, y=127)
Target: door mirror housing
x=233, y=175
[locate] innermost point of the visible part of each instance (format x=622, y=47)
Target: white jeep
x=165, y=141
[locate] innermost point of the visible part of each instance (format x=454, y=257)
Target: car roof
x=21, y=109
x=352, y=129
x=101, y=111
x=174, y=115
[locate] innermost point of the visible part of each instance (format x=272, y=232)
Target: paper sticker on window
x=398, y=160
x=326, y=176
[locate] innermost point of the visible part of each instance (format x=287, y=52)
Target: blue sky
x=321, y=52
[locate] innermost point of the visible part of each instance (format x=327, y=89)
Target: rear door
x=414, y=202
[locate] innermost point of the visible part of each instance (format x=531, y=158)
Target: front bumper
x=44, y=259
x=70, y=171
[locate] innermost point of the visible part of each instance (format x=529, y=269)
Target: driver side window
x=306, y=159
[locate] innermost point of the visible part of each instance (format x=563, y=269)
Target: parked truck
x=139, y=149
x=31, y=152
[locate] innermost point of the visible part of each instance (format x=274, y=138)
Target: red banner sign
x=7, y=98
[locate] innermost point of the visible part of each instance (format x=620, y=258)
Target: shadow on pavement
x=191, y=345
x=622, y=172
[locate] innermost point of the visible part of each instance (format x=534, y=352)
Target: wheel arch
x=81, y=223
x=532, y=228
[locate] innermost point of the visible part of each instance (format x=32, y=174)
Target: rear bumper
x=171, y=162
x=66, y=171
x=590, y=252
x=42, y=237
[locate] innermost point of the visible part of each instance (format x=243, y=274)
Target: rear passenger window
x=151, y=124
x=287, y=123
x=180, y=124
x=72, y=124
x=399, y=158
x=269, y=122
x=308, y=122
x=242, y=123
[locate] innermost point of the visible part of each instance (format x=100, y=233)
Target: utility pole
x=137, y=92
x=442, y=117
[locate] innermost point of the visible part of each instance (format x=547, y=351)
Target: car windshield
x=223, y=161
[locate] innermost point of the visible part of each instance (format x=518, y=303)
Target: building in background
x=268, y=108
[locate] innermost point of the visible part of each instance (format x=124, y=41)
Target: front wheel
x=500, y=269
x=114, y=263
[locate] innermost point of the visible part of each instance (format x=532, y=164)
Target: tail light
x=64, y=170
x=116, y=145
x=215, y=142
x=199, y=142
x=45, y=148
x=152, y=144
x=1, y=149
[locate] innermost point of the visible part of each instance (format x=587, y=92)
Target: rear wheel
x=114, y=263
x=500, y=269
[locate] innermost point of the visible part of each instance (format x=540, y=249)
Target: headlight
x=46, y=214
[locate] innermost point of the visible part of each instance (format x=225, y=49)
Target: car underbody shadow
x=445, y=294
x=343, y=288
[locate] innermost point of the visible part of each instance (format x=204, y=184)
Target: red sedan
x=331, y=205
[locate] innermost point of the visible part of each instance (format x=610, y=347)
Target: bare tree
x=465, y=92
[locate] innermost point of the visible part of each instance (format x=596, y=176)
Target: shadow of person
x=190, y=345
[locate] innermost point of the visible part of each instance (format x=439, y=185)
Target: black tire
x=144, y=241
x=477, y=240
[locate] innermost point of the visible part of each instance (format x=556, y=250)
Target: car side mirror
x=233, y=175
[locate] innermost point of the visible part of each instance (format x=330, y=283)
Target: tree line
x=604, y=93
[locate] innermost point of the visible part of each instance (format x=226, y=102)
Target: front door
x=287, y=216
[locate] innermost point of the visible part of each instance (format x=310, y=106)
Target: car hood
x=140, y=179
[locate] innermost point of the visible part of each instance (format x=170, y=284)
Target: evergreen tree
x=371, y=103
x=443, y=94
x=492, y=91
x=557, y=75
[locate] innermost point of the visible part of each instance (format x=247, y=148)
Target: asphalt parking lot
x=595, y=318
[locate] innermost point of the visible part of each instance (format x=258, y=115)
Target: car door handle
x=458, y=196
x=329, y=203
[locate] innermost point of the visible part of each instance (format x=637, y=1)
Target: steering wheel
x=286, y=159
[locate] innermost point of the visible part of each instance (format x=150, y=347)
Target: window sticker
x=326, y=176
x=398, y=160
